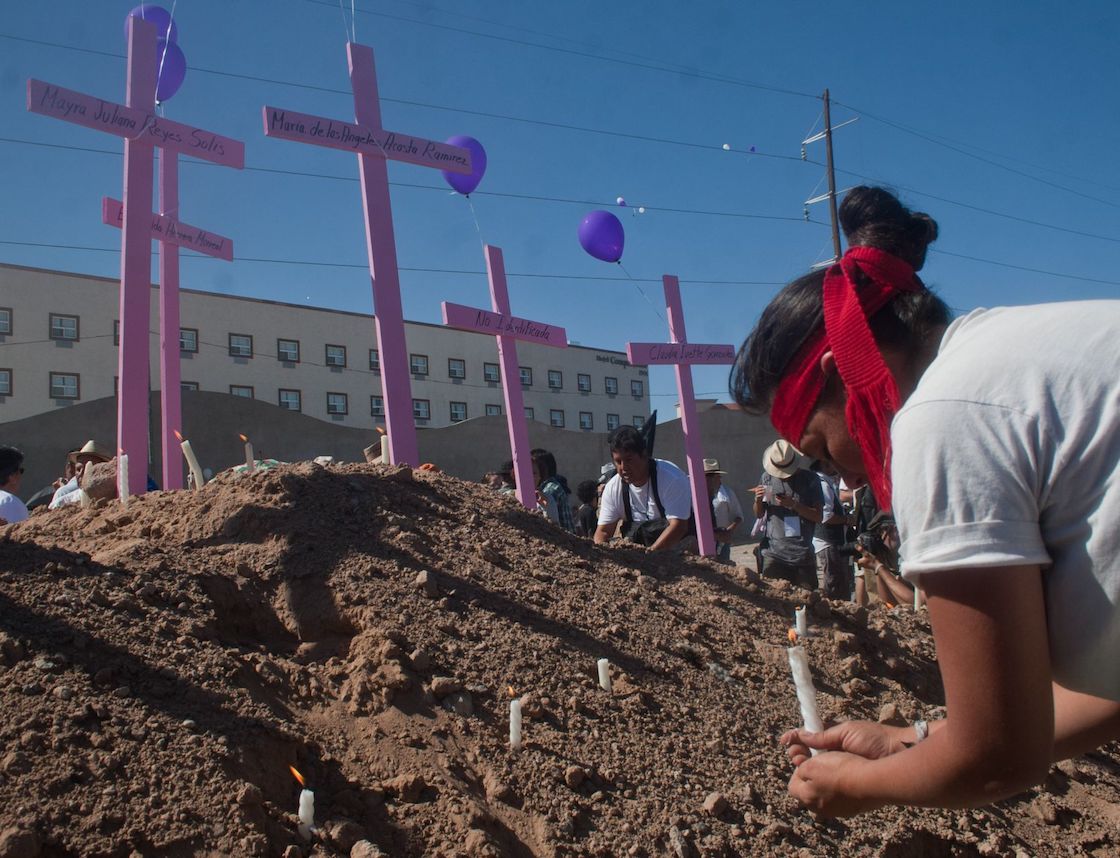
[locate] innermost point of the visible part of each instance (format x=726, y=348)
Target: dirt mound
x=161, y=666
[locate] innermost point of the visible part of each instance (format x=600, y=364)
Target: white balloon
x=726, y=147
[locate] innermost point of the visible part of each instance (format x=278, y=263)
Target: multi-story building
x=58, y=346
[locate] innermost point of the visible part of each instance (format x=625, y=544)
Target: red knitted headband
x=873, y=398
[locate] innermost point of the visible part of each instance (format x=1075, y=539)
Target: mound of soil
x=162, y=666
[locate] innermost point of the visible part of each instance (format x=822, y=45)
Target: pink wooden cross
x=143, y=132
x=682, y=354
x=374, y=146
x=508, y=328
x=172, y=234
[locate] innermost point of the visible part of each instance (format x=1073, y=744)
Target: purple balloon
x=601, y=235
x=156, y=15
x=464, y=183
x=172, y=71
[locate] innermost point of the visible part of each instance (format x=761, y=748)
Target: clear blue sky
x=964, y=107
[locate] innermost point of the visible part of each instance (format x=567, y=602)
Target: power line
x=1026, y=268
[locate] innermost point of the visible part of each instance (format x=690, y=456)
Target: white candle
x=384, y=449
x=122, y=478
x=801, y=622
x=915, y=595
x=605, y=675
x=250, y=460
x=84, y=499
x=192, y=463
x=806, y=693
x=515, y=725
x=306, y=813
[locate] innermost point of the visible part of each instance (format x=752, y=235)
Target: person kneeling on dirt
x=650, y=497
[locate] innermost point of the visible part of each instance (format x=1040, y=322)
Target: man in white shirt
x=12, y=508
x=727, y=512
x=650, y=497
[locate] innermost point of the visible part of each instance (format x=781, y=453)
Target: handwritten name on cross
x=374, y=146
x=681, y=354
x=143, y=132
x=507, y=329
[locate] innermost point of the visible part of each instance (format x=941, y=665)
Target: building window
x=585, y=420
x=456, y=368
x=639, y=421
x=188, y=340
x=287, y=350
x=290, y=399
x=336, y=356
x=583, y=382
x=116, y=332
x=556, y=417
x=338, y=403
x=493, y=410
x=526, y=374
x=610, y=385
x=188, y=385
x=637, y=388
x=529, y=413
x=375, y=360
x=65, y=385
x=418, y=364
x=242, y=390
x=64, y=327
x=458, y=412
x=555, y=379
x=241, y=345
x=491, y=372
x=377, y=406
x=421, y=409
x=6, y=382
x=5, y=320
x=612, y=422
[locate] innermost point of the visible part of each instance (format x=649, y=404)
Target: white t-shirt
x=726, y=506
x=12, y=509
x=1008, y=453
x=673, y=488
x=65, y=494
x=832, y=506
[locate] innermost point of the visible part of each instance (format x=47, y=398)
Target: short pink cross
x=374, y=146
x=507, y=329
x=143, y=132
x=682, y=354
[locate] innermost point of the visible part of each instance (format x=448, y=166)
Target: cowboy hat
x=94, y=450
x=711, y=466
x=780, y=459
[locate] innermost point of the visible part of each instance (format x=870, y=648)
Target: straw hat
x=781, y=459
x=606, y=472
x=94, y=450
x=711, y=466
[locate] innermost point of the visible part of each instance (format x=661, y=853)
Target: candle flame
x=298, y=776
x=243, y=438
x=793, y=636
x=510, y=691
x=177, y=435
x=380, y=431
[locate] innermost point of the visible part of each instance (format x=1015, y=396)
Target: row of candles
x=197, y=477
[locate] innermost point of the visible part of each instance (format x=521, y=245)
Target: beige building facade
x=58, y=334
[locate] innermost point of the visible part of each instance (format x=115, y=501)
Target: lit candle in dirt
x=803, y=684
x=515, y=725
x=605, y=674
x=192, y=461
x=122, y=477
x=306, y=812
x=801, y=622
x=250, y=461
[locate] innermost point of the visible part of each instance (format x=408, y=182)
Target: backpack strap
x=653, y=486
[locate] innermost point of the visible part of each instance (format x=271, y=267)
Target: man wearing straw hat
x=727, y=512
x=789, y=497
x=90, y=453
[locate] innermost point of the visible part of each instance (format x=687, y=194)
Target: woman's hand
x=862, y=738
x=819, y=785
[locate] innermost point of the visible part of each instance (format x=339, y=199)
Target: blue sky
x=998, y=120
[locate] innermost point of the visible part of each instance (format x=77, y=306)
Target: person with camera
x=788, y=499
x=1001, y=464
x=877, y=556
x=651, y=498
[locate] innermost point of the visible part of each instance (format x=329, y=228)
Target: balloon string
x=656, y=312
x=345, y=28
x=166, y=42
x=477, y=227
x=353, y=22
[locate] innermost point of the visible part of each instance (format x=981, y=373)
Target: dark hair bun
x=874, y=217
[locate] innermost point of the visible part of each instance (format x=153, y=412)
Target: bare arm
x=674, y=532
x=604, y=532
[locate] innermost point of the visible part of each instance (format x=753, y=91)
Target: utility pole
x=826, y=135
x=831, y=177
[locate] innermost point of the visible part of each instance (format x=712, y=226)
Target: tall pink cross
x=682, y=354
x=507, y=329
x=374, y=146
x=143, y=132
x=172, y=234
